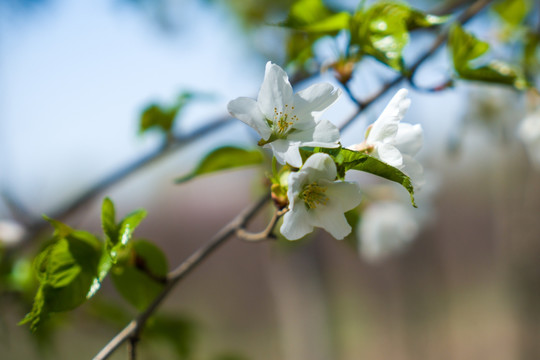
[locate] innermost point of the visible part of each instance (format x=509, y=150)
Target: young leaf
x=156, y=116
x=179, y=332
x=512, y=12
x=223, y=158
x=314, y=16
x=108, y=221
x=141, y=275
x=382, y=31
x=66, y=270
x=466, y=49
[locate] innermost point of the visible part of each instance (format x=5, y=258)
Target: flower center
x=282, y=120
x=313, y=195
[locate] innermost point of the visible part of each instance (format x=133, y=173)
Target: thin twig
x=132, y=347
x=266, y=234
x=135, y=326
x=467, y=15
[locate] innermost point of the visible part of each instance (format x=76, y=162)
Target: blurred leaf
x=530, y=54
x=141, y=275
x=382, y=31
x=466, y=49
x=156, y=116
x=66, y=271
x=353, y=218
x=229, y=356
x=513, y=12
x=314, y=16
x=224, y=158
x=179, y=332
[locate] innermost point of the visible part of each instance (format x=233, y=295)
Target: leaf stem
x=135, y=326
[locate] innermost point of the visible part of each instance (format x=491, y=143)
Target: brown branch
x=266, y=234
x=467, y=15
x=135, y=326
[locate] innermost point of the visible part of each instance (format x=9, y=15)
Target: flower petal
x=385, y=127
x=409, y=138
x=287, y=152
x=247, y=111
x=275, y=92
x=413, y=169
x=389, y=154
x=319, y=166
x=324, y=134
x=314, y=99
x=346, y=195
x=296, y=223
x=332, y=219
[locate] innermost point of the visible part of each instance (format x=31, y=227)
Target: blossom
x=11, y=233
x=394, y=142
x=287, y=121
x=386, y=227
x=316, y=200
x=529, y=133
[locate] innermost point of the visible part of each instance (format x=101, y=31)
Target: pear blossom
x=386, y=227
x=529, y=133
x=394, y=142
x=317, y=200
x=287, y=121
x=11, y=233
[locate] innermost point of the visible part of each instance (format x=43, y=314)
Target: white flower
x=316, y=200
x=386, y=227
x=287, y=121
x=394, y=142
x=11, y=233
x=529, y=133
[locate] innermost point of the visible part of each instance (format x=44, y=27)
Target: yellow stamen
x=313, y=195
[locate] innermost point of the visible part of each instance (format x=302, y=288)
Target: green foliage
x=179, y=332
x=512, y=12
x=382, y=30
x=67, y=273
x=117, y=235
x=161, y=117
x=346, y=160
x=140, y=273
x=71, y=267
x=224, y=158
x=466, y=49
x=314, y=16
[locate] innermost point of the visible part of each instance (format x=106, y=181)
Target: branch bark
x=134, y=327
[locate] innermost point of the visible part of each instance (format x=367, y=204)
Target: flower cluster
x=288, y=122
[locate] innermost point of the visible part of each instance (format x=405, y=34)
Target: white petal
x=409, y=138
x=385, y=127
x=296, y=222
x=275, y=92
x=319, y=166
x=247, y=111
x=389, y=154
x=346, y=195
x=314, y=99
x=413, y=169
x=332, y=219
x=324, y=134
x=287, y=152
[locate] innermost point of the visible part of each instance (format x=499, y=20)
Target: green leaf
x=66, y=270
x=382, y=31
x=314, y=16
x=60, y=229
x=156, y=116
x=117, y=235
x=466, y=50
x=224, y=158
x=141, y=275
x=512, y=12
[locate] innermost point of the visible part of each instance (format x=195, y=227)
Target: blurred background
x=76, y=77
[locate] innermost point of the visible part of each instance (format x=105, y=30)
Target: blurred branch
x=133, y=329
x=169, y=147
x=467, y=15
